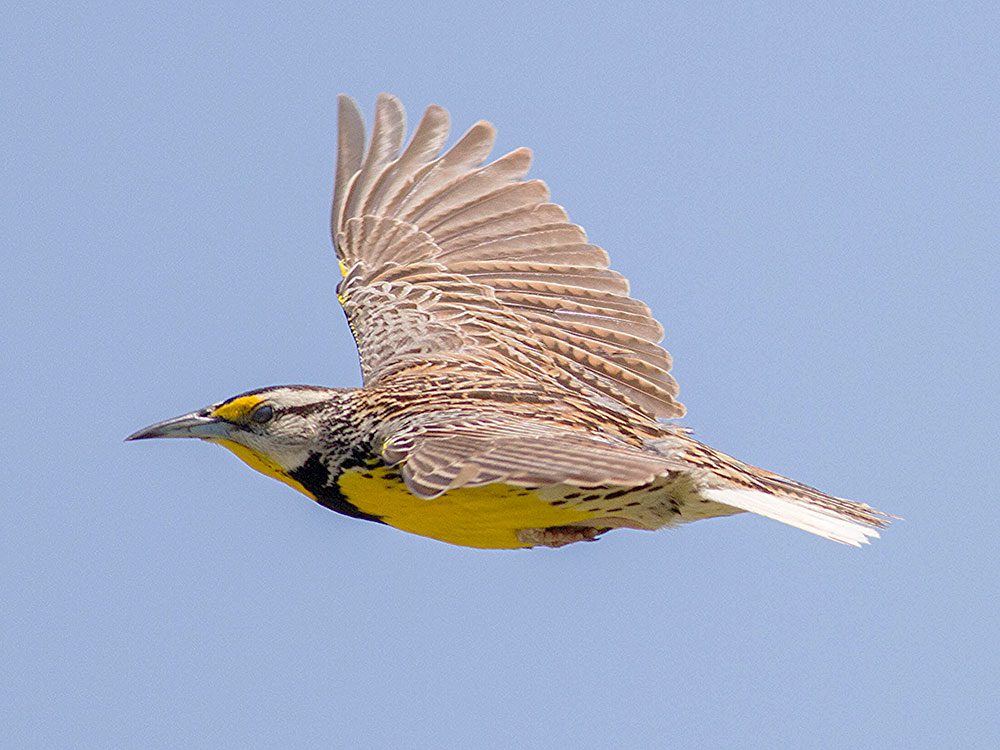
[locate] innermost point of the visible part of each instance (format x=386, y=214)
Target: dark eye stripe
x=262, y=413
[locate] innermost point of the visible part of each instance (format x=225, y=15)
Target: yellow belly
x=487, y=517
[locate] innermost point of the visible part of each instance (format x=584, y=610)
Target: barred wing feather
x=437, y=455
x=444, y=256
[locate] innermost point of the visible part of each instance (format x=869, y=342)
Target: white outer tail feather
x=795, y=512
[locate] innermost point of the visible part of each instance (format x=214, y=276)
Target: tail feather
x=727, y=481
x=834, y=518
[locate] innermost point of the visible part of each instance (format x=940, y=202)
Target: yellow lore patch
x=235, y=410
x=487, y=517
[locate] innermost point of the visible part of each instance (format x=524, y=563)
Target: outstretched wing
x=447, y=259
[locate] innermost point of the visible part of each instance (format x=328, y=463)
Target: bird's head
x=274, y=430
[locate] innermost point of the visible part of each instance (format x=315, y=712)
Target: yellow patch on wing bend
x=233, y=411
x=263, y=464
x=488, y=517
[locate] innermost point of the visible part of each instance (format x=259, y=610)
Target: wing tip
x=389, y=104
x=348, y=109
x=482, y=129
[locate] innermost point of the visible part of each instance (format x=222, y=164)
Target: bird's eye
x=262, y=413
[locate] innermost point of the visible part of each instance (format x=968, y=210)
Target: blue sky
x=807, y=198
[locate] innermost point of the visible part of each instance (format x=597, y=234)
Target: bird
x=514, y=394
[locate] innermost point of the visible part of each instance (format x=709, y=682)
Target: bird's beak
x=197, y=424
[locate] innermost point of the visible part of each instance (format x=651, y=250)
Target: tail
x=834, y=518
x=739, y=485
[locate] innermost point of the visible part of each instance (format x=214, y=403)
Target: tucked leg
x=559, y=536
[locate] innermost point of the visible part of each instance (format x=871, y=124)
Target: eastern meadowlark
x=513, y=391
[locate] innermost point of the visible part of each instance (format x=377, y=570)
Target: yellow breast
x=487, y=517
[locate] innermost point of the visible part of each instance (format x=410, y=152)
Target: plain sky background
x=808, y=199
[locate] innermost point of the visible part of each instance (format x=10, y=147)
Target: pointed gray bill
x=197, y=424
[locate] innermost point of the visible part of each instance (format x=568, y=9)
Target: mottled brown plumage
x=495, y=343
x=513, y=391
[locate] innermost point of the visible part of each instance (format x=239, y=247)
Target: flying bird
x=514, y=393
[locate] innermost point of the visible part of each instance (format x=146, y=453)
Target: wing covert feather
x=438, y=455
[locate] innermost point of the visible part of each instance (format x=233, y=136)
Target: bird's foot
x=559, y=536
